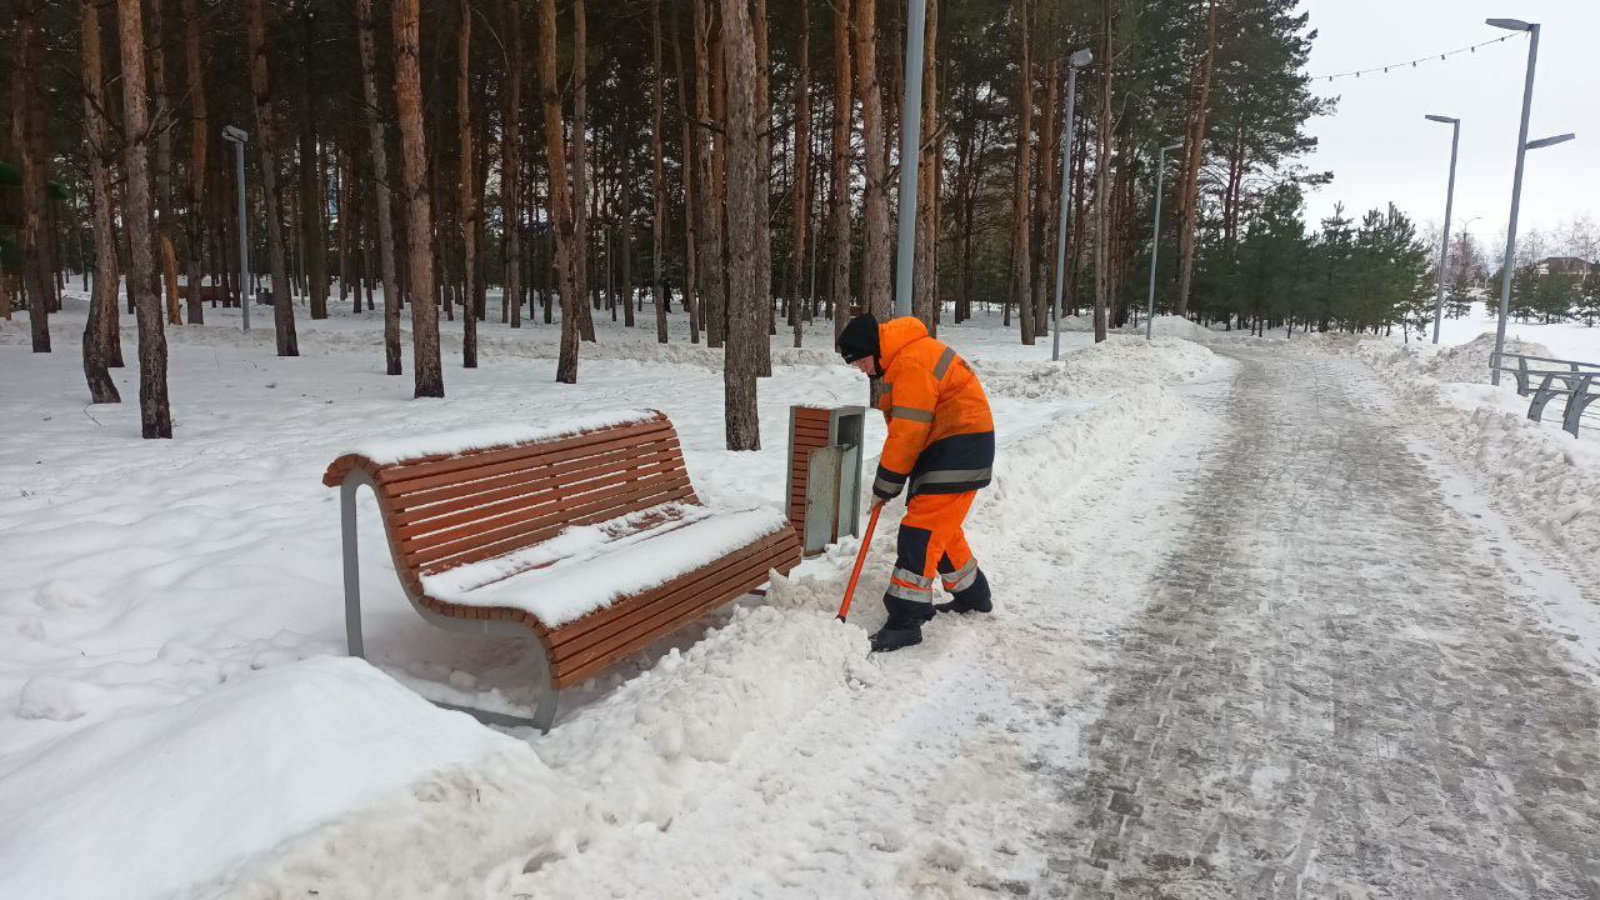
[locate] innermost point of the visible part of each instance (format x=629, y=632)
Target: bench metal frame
x=544, y=713
x=1579, y=384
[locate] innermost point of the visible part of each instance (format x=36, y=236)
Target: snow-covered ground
x=174, y=704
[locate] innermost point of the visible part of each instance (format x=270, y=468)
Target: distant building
x=1566, y=265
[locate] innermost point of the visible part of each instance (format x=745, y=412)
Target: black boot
x=974, y=599
x=904, y=628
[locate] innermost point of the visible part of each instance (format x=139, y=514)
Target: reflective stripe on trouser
x=931, y=541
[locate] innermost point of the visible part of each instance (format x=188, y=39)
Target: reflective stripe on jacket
x=941, y=434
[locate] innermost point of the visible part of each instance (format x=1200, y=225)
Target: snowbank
x=1546, y=478
x=142, y=806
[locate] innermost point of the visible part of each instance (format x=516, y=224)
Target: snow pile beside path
x=1172, y=327
x=1536, y=471
x=1469, y=362
x=141, y=806
x=1110, y=365
x=633, y=761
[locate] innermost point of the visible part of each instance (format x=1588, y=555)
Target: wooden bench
x=1577, y=382
x=589, y=538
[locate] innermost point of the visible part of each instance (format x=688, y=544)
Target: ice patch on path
x=141, y=806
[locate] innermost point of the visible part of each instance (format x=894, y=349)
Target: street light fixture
x=1074, y=62
x=1523, y=146
x=238, y=137
x=1155, y=240
x=1449, y=202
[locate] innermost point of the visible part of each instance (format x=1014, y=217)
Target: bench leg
x=1576, y=404
x=352, y=566
x=1541, y=397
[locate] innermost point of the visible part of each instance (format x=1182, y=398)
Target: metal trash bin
x=825, y=473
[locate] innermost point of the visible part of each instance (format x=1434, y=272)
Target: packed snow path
x=1335, y=690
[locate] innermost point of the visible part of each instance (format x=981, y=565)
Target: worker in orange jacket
x=941, y=444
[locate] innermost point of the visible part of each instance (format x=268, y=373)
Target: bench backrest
x=449, y=511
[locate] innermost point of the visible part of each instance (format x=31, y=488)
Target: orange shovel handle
x=861, y=559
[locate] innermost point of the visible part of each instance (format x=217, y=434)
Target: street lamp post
x=1075, y=62
x=1155, y=240
x=910, y=152
x=1449, y=202
x=239, y=137
x=1523, y=146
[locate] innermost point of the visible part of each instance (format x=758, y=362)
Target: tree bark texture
x=713, y=293
x=199, y=138
x=468, y=214
x=802, y=168
x=282, y=303
x=1194, y=140
x=511, y=165
x=925, y=279
x=380, y=176
x=1102, y=173
x=155, y=414
x=427, y=370
x=658, y=180
x=748, y=303
x=875, y=260
x=1021, y=234
x=839, y=182
x=103, y=302
x=26, y=66
x=561, y=215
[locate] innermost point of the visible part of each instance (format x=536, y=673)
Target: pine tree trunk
x=103, y=302
x=160, y=117
x=199, y=136
x=875, y=204
x=839, y=183
x=692, y=296
x=763, y=199
x=802, y=170
x=511, y=165
x=169, y=272
x=380, y=179
x=468, y=217
x=313, y=202
x=1044, y=200
x=658, y=180
x=1021, y=236
x=925, y=280
x=27, y=64
x=1102, y=172
x=155, y=416
x=561, y=214
x=580, y=165
x=428, y=372
x=707, y=206
x=282, y=303
x=748, y=302
x=1193, y=158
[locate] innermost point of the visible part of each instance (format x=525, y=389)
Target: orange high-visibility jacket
x=941, y=434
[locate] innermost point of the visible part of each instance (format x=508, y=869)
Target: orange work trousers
x=930, y=542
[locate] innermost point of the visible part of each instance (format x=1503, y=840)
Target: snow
x=175, y=705
x=142, y=806
x=388, y=452
x=585, y=569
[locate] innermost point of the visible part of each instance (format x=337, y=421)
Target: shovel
x=861, y=559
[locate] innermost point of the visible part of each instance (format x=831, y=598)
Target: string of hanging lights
x=1412, y=63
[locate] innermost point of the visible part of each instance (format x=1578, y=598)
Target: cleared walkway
x=1334, y=691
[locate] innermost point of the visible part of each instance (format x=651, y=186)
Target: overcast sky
x=1380, y=148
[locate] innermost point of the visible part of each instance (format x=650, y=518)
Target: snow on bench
x=586, y=534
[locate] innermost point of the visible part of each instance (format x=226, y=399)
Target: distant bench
x=1577, y=382
x=590, y=537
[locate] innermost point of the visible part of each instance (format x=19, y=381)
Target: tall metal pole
x=244, y=239
x=1444, y=244
x=910, y=150
x=1508, y=264
x=1155, y=240
x=1079, y=59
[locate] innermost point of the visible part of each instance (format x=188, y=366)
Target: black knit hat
x=859, y=339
